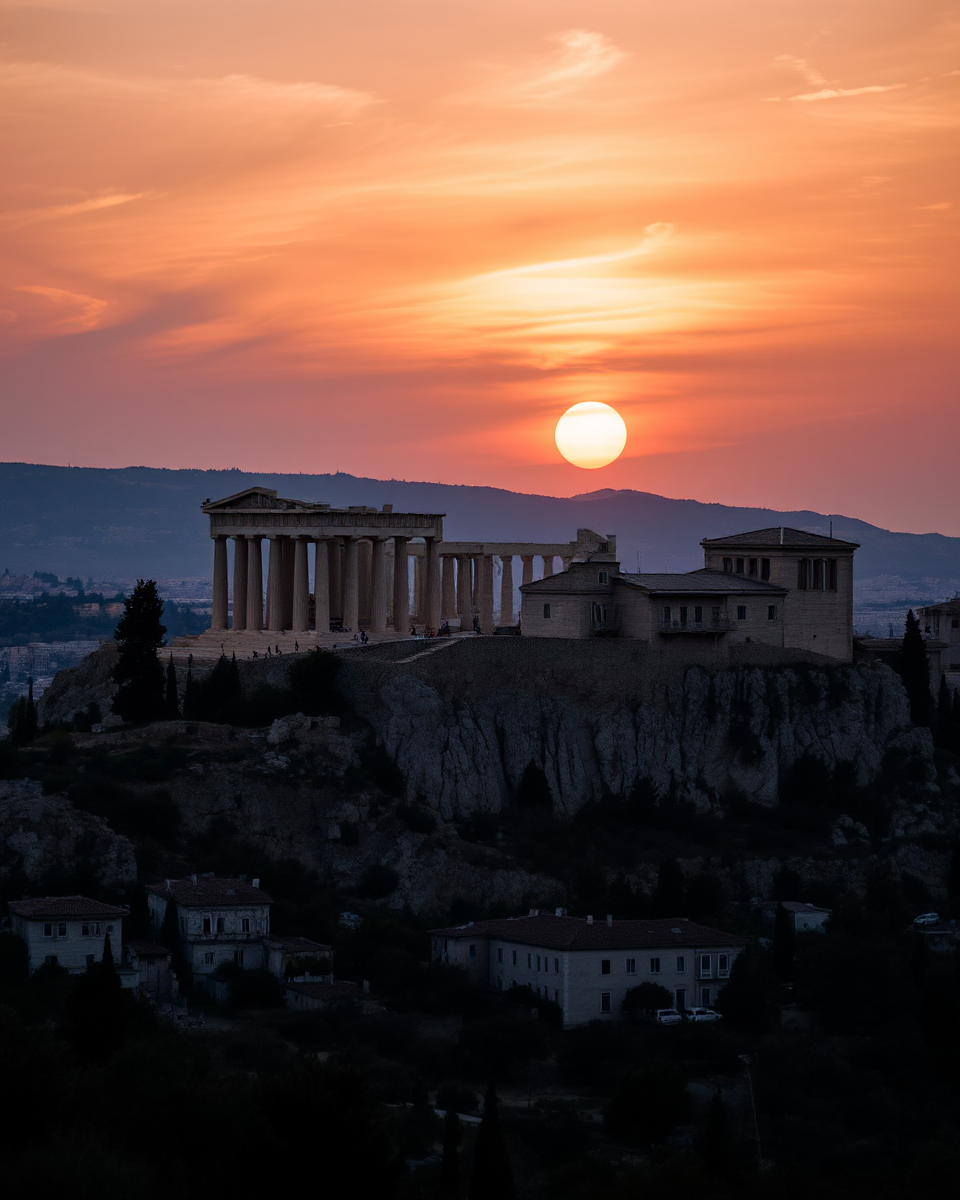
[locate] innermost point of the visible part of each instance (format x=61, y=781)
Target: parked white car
x=927, y=919
x=667, y=1016
x=703, y=1014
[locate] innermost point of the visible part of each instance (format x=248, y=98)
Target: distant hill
x=143, y=521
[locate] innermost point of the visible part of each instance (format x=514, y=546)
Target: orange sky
x=400, y=238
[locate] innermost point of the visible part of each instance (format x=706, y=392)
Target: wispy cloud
x=837, y=93
x=824, y=91
x=654, y=236
x=810, y=74
x=582, y=55
x=929, y=207
x=72, y=312
x=53, y=212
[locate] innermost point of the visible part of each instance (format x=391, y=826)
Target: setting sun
x=591, y=434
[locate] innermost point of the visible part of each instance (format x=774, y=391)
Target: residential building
x=282, y=954
x=804, y=916
x=219, y=921
x=941, y=623
x=68, y=931
x=327, y=993
x=779, y=587
x=151, y=963
x=587, y=966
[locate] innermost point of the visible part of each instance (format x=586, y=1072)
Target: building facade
x=587, y=966
x=68, y=931
x=779, y=587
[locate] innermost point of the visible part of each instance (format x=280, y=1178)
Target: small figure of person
x=296, y=646
x=363, y=637
x=254, y=654
x=476, y=623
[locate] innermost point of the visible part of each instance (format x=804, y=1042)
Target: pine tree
x=914, y=672
x=138, y=672
x=171, y=701
x=491, y=1177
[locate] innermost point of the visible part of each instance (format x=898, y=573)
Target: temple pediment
x=260, y=499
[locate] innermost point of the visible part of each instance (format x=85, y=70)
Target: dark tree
x=645, y=999
x=669, y=896
x=914, y=671
x=784, y=945
x=191, y=699
x=450, y=1163
x=171, y=701
x=752, y=991
x=221, y=692
x=715, y=1150
x=491, y=1177
x=943, y=731
x=138, y=673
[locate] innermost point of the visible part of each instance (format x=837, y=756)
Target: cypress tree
x=191, y=708
x=138, y=673
x=491, y=1177
x=784, y=945
x=171, y=701
x=450, y=1163
x=30, y=716
x=108, y=968
x=943, y=734
x=914, y=671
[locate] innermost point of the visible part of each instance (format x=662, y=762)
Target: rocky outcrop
x=42, y=835
x=596, y=717
x=74, y=689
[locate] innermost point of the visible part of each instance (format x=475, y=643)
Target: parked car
x=927, y=919
x=703, y=1014
x=667, y=1016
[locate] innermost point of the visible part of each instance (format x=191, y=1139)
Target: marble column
x=401, y=586
x=364, y=571
x=335, y=565
x=477, y=560
x=254, y=584
x=240, y=544
x=448, y=587
x=419, y=604
x=506, y=590
x=351, y=594
x=527, y=560
x=486, y=593
x=464, y=591
x=287, y=559
x=300, y=608
x=547, y=566
x=219, y=616
x=432, y=582
x=275, y=586
x=378, y=585
x=321, y=588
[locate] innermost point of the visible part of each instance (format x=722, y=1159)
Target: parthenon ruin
x=361, y=577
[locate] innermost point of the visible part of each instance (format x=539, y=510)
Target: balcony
x=718, y=626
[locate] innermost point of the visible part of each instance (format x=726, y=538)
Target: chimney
x=610, y=919
x=166, y=885
x=256, y=881
x=193, y=879
x=589, y=919
x=366, y=985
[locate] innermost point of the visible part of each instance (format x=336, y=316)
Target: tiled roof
x=796, y=906
x=338, y=990
x=576, y=933
x=579, y=577
x=201, y=891
x=298, y=945
x=701, y=581
x=65, y=906
x=147, y=950
x=778, y=535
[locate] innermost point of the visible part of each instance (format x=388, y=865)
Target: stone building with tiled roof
x=778, y=587
x=67, y=931
x=587, y=966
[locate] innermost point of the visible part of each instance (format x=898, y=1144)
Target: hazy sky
x=399, y=238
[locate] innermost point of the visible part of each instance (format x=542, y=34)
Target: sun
x=591, y=434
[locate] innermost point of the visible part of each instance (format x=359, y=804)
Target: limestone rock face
x=463, y=741
x=40, y=834
x=74, y=689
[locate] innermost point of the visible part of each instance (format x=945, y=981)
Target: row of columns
x=351, y=582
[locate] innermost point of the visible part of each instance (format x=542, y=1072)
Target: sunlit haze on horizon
x=401, y=238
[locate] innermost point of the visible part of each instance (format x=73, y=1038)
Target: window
x=208, y=959
x=538, y=962
x=698, y=615
x=741, y=612
x=728, y=565
x=238, y=957
x=804, y=574
x=529, y=962
x=680, y=1000
x=207, y=925
x=683, y=615
x=605, y=966
x=90, y=929
x=666, y=614
x=681, y=964
x=831, y=574
x=48, y=929
x=654, y=966
x=61, y=929
x=556, y=966
x=739, y=566
x=631, y=966
x=110, y=929
x=244, y=924
x=706, y=997
x=546, y=611
x=704, y=966
x=818, y=574
x=220, y=925
x=715, y=615
x=771, y=612
x=500, y=954
x=754, y=566
x=514, y=958
x=473, y=950
x=605, y=1002
x=603, y=577
x=764, y=568
x=723, y=965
